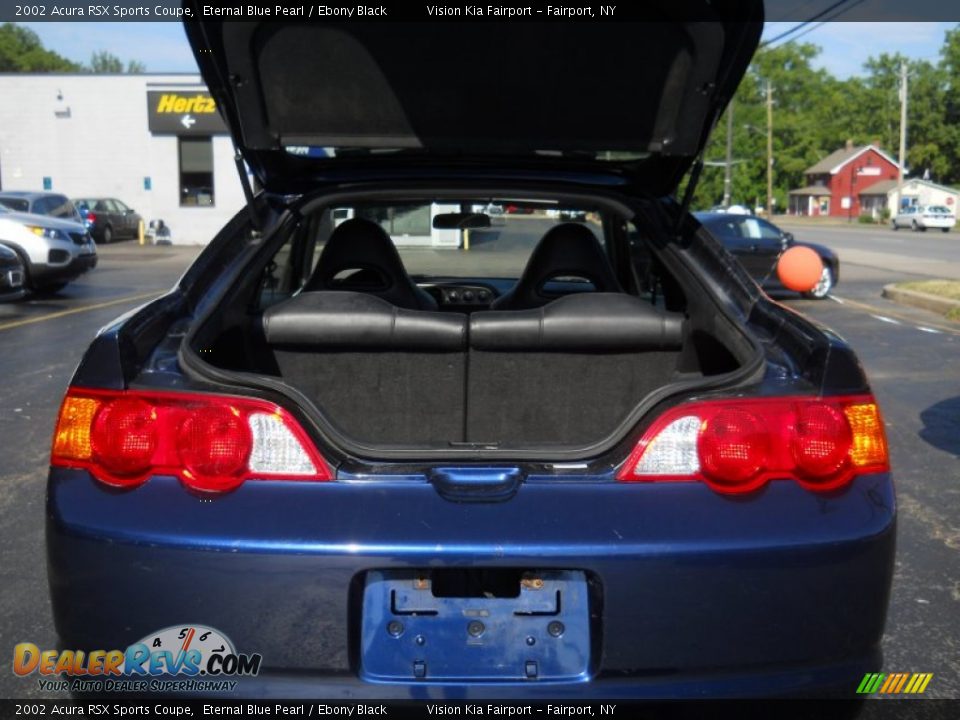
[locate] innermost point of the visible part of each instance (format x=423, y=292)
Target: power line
x=802, y=25
x=825, y=21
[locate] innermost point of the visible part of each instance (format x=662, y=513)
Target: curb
x=921, y=300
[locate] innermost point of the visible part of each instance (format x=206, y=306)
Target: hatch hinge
x=247, y=190
x=688, y=192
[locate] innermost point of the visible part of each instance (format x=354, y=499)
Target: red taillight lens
x=212, y=443
x=91, y=217
x=733, y=448
x=821, y=441
x=124, y=438
x=737, y=445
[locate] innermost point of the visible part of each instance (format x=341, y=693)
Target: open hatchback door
x=637, y=99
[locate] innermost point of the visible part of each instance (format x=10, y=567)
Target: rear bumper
x=694, y=594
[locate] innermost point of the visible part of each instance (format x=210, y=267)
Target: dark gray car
x=109, y=219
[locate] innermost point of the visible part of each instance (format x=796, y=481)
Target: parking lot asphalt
x=910, y=355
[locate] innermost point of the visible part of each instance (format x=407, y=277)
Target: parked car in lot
x=11, y=275
x=615, y=469
x=53, y=251
x=758, y=244
x=922, y=218
x=109, y=219
x=41, y=203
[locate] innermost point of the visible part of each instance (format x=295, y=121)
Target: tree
x=815, y=114
x=21, y=51
x=949, y=65
x=105, y=62
x=108, y=63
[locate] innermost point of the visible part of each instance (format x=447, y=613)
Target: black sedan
x=108, y=218
x=758, y=244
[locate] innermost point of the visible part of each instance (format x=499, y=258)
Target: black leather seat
x=566, y=250
x=568, y=372
x=580, y=323
x=380, y=373
x=365, y=248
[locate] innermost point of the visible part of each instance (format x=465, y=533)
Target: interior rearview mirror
x=461, y=221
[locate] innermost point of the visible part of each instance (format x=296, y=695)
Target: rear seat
x=565, y=373
x=568, y=372
x=381, y=374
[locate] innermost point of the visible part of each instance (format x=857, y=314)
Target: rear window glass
x=18, y=204
x=500, y=250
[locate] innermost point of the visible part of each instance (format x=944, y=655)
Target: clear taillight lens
x=213, y=443
x=738, y=445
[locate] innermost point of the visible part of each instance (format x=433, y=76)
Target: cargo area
x=561, y=355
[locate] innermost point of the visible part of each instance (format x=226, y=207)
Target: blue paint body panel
x=692, y=593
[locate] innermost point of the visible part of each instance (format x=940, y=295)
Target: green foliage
x=105, y=62
x=22, y=51
x=866, y=219
x=815, y=113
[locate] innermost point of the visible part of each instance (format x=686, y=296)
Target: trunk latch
x=476, y=484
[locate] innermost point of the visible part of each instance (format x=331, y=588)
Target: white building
x=155, y=142
x=924, y=192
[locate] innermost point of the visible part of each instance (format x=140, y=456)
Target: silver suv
x=54, y=251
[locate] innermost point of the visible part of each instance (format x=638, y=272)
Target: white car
x=53, y=251
x=918, y=217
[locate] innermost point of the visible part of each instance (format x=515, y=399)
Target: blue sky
x=163, y=47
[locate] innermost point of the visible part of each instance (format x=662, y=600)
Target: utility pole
x=728, y=166
x=769, y=150
x=902, y=156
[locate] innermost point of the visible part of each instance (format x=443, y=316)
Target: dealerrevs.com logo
x=180, y=658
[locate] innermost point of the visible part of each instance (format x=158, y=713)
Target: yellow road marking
x=85, y=308
x=953, y=330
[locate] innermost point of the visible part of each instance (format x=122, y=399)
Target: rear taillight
x=91, y=218
x=213, y=443
x=738, y=445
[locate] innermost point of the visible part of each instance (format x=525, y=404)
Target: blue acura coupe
x=398, y=446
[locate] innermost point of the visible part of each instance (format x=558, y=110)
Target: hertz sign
x=171, y=112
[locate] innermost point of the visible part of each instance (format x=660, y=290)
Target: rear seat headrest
x=350, y=320
x=594, y=322
x=567, y=249
x=360, y=244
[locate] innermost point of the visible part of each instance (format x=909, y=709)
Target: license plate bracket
x=409, y=633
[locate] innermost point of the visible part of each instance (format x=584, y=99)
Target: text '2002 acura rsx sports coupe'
x=397, y=445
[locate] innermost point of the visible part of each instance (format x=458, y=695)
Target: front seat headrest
x=569, y=249
x=364, y=250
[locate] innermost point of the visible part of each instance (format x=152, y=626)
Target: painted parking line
x=84, y=308
x=894, y=318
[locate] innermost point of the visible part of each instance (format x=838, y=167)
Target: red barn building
x=837, y=185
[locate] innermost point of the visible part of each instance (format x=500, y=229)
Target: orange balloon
x=799, y=269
